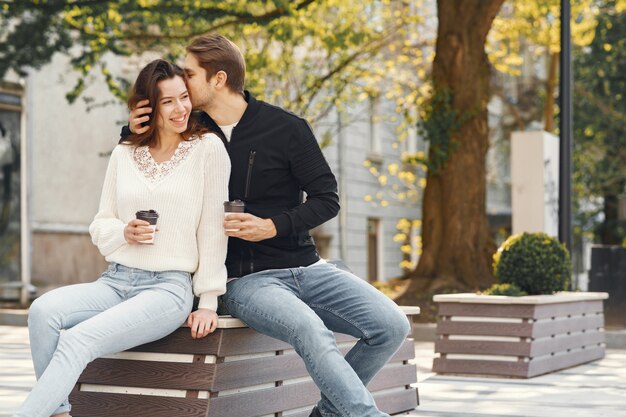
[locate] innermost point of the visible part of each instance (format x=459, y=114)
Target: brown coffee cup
x=235, y=206
x=151, y=216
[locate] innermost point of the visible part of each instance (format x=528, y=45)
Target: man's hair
x=216, y=53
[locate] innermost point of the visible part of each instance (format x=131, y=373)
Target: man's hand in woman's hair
x=139, y=115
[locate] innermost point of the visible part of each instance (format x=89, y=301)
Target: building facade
x=59, y=153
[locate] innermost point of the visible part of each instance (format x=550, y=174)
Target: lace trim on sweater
x=155, y=171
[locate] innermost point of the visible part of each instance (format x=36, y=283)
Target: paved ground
x=597, y=389
x=16, y=369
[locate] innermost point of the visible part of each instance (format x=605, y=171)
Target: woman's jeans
x=303, y=306
x=71, y=326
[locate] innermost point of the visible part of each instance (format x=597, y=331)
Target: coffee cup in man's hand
x=232, y=207
x=151, y=217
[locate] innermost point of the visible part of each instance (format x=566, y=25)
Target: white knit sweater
x=189, y=200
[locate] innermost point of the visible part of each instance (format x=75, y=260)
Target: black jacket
x=275, y=157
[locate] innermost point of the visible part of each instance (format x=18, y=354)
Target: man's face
x=199, y=88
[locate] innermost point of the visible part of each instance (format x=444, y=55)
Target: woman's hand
x=135, y=232
x=202, y=322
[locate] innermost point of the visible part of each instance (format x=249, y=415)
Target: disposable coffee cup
x=151, y=217
x=235, y=206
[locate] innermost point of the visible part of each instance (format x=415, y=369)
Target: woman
x=182, y=173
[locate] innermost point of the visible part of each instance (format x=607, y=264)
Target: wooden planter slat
x=549, y=363
x=486, y=310
x=482, y=347
x=541, y=328
x=234, y=372
x=484, y=328
x=566, y=309
x=544, y=328
x=481, y=367
x=553, y=332
x=563, y=342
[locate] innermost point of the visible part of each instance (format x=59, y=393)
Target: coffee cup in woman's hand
x=151, y=217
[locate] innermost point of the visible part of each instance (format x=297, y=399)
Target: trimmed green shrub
x=535, y=262
x=511, y=290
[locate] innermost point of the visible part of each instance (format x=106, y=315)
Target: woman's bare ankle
x=62, y=415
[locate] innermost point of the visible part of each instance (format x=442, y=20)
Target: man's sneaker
x=315, y=413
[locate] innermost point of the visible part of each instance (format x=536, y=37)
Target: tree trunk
x=457, y=244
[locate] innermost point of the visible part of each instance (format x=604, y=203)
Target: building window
x=374, y=250
x=10, y=192
x=375, y=127
x=409, y=145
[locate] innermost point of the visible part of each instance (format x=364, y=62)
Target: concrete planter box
x=518, y=336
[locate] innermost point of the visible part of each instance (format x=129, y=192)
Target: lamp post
x=565, y=129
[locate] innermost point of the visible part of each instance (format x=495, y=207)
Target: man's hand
x=202, y=322
x=248, y=227
x=137, y=117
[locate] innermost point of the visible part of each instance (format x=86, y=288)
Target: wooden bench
x=234, y=372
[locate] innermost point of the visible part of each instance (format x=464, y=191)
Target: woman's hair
x=146, y=87
x=216, y=53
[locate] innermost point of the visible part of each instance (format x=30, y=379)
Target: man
x=278, y=284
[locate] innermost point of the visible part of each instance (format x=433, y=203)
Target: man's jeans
x=71, y=326
x=303, y=306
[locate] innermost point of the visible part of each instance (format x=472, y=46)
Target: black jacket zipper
x=249, y=174
x=251, y=260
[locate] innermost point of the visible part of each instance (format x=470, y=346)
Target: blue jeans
x=303, y=306
x=71, y=326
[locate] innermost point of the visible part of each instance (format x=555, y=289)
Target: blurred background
x=418, y=106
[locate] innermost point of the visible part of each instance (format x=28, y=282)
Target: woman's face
x=174, y=106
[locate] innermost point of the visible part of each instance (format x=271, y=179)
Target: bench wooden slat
x=391, y=402
x=92, y=404
x=223, y=342
x=264, y=401
x=396, y=401
x=201, y=376
x=256, y=371
x=234, y=372
x=395, y=375
x=179, y=341
x=148, y=374
x=303, y=394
